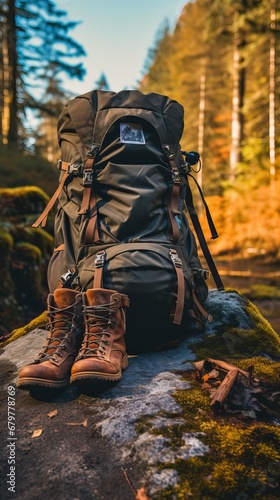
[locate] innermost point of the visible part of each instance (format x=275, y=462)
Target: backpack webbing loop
x=179, y=309
x=201, y=309
x=98, y=269
x=173, y=212
x=87, y=184
x=202, y=240
x=44, y=215
x=91, y=233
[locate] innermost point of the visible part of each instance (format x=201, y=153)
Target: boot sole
x=28, y=383
x=89, y=375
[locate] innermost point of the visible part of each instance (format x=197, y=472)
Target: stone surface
x=145, y=392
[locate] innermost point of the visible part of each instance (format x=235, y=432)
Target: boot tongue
x=64, y=297
x=98, y=296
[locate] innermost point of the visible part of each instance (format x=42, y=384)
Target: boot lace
x=61, y=322
x=101, y=317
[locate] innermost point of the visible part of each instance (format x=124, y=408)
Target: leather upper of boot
x=103, y=346
x=65, y=324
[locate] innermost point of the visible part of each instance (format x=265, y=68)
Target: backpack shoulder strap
x=82, y=113
x=200, y=235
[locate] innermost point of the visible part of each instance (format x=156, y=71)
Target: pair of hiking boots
x=86, y=340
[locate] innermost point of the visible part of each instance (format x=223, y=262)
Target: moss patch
x=21, y=201
x=244, y=458
x=243, y=461
x=232, y=342
x=39, y=322
x=261, y=291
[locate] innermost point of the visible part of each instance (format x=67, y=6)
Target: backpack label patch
x=131, y=133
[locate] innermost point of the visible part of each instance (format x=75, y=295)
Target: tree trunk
x=239, y=75
x=12, y=135
x=272, y=93
x=201, y=117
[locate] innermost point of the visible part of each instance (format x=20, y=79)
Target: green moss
x=21, y=201
x=264, y=368
x=39, y=322
x=29, y=252
x=261, y=291
x=6, y=240
x=242, y=460
x=237, y=343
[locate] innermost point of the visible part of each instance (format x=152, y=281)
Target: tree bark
x=272, y=93
x=13, y=73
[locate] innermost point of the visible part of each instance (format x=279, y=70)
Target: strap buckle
x=74, y=169
x=200, y=273
x=175, y=258
x=87, y=177
x=176, y=177
x=68, y=277
x=100, y=259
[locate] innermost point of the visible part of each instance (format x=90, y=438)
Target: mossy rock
x=243, y=458
x=24, y=254
x=22, y=201
x=238, y=330
x=6, y=244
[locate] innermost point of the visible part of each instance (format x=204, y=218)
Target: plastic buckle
x=92, y=152
x=99, y=259
x=66, y=277
x=59, y=164
x=87, y=177
x=201, y=273
x=176, y=177
x=168, y=151
x=75, y=169
x=175, y=258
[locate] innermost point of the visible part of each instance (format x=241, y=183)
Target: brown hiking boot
x=103, y=352
x=51, y=369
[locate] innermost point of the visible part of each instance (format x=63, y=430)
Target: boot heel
x=125, y=363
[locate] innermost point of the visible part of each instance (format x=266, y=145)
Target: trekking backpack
x=120, y=222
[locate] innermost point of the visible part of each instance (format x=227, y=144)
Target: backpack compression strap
x=68, y=169
x=177, y=263
x=83, y=116
x=200, y=235
x=173, y=211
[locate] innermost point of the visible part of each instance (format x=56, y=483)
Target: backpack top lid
x=166, y=114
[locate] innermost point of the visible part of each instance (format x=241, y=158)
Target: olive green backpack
x=120, y=222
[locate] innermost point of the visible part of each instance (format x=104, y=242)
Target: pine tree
x=40, y=49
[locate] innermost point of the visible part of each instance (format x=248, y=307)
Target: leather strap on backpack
x=201, y=237
x=69, y=169
x=98, y=269
x=179, y=309
x=87, y=184
x=44, y=215
x=173, y=211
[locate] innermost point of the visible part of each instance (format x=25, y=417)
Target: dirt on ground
x=68, y=460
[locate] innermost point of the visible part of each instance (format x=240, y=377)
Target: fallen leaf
x=52, y=413
x=84, y=423
x=142, y=494
x=37, y=433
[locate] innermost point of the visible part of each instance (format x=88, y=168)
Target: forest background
x=221, y=61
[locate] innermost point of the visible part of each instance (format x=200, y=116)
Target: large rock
x=24, y=256
x=141, y=420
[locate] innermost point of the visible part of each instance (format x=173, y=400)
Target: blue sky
x=116, y=35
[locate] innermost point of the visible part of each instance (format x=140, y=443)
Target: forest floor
x=258, y=280
x=69, y=461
